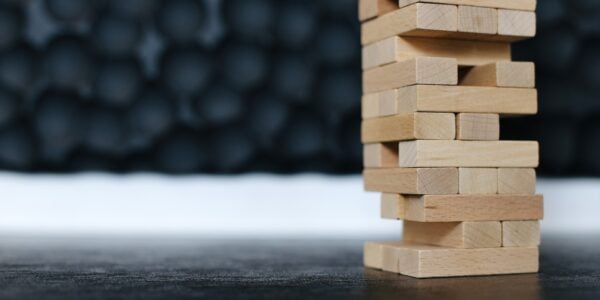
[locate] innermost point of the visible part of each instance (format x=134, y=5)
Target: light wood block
x=477, y=181
x=380, y=155
x=420, y=19
x=521, y=234
x=455, y=99
x=475, y=19
x=379, y=104
x=467, y=53
x=516, y=181
x=477, y=127
x=372, y=253
x=500, y=74
x=434, y=181
x=423, y=261
x=425, y=126
x=461, y=208
x=392, y=206
x=474, y=154
x=420, y=70
x=454, y=234
x=529, y=5
x=368, y=9
x=516, y=23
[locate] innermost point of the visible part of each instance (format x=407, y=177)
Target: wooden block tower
x=437, y=78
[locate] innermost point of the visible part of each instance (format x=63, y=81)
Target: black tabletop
x=182, y=268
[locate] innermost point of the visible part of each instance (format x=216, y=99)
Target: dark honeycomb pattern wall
x=186, y=86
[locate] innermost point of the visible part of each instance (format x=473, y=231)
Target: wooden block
x=529, y=5
x=380, y=155
x=454, y=234
x=423, y=261
x=467, y=53
x=419, y=70
x=521, y=234
x=516, y=181
x=412, y=181
x=455, y=99
x=500, y=74
x=392, y=206
x=477, y=127
x=420, y=19
x=477, y=181
x=461, y=208
x=380, y=104
x=475, y=19
x=368, y=9
x=372, y=255
x=474, y=154
x=516, y=23
x=425, y=126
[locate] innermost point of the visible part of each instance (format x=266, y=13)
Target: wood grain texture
x=420, y=19
x=477, y=181
x=420, y=70
x=467, y=53
x=421, y=181
x=368, y=9
x=516, y=23
x=477, y=127
x=372, y=253
x=410, y=126
x=473, y=19
x=466, y=99
x=392, y=206
x=521, y=234
x=460, y=208
x=380, y=155
x=529, y=5
x=423, y=261
x=483, y=154
x=500, y=74
x=454, y=234
x=516, y=181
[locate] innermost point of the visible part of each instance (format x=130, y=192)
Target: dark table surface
x=181, y=268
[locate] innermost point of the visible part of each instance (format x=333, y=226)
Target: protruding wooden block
x=529, y=5
x=420, y=19
x=423, y=261
x=454, y=234
x=520, y=233
x=475, y=19
x=419, y=70
x=380, y=155
x=426, y=126
x=477, y=127
x=500, y=74
x=418, y=181
x=477, y=181
x=483, y=154
x=462, y=208
x=467, y=53
x=368, y=9
x=516, y=23
x=516, y=181
x=455, y=99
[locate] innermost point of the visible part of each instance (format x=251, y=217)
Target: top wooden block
x=368, y=9
x=528, y=5
x=421, y=19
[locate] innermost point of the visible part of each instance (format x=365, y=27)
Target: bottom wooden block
x=423, y=261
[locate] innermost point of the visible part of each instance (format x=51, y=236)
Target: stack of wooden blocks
x=437, y=77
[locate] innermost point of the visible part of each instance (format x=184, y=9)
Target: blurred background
x=160, y=87
x=209, y=86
